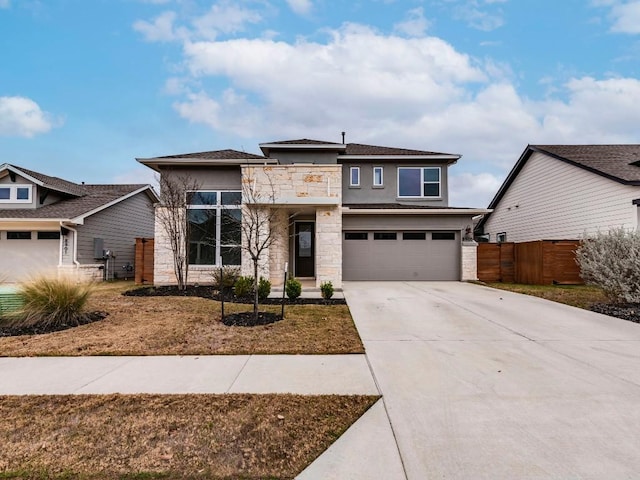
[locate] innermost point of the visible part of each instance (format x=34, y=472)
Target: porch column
x=279, y=251
x=329, y=246
x=469, y=261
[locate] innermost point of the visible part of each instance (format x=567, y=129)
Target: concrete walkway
x=486, y=384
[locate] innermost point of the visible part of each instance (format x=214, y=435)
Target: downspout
x=75, y=244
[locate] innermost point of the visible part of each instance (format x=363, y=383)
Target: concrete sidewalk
x=301, y=374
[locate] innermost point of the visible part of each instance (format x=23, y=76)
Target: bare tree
x=172, y=215
x=261, y=225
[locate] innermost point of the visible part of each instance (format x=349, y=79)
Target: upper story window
x=423, y=182
x=354, y=177
x=214, y=227
x=15, y=193
x=378, y=180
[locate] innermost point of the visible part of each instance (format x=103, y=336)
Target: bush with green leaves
x=264, y=289
x=50, y=302
x=243, y=286
x=612, y=262
x=293, y=288
x=326, y=289
x=225, y=277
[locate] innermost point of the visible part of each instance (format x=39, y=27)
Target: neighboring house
x=559, y=192
x=48, y=225
x=347, y=211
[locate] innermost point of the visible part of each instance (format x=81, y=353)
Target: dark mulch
x=248, y=319
x=210, y=293
x=626, y=311
x=9, y=331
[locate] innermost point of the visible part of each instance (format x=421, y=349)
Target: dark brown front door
x=305, y=249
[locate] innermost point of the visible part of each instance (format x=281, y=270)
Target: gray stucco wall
x=287, y=158
x=118, y=225
x=214, y=178
x=388, y=193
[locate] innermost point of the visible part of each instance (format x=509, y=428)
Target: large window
x=15, y=193
x=419, y=182
x=214, y=221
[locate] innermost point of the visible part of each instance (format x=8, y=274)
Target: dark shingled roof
x=53, y=183
x=218, y=155
x=93, y=196
x=619, y=162
x=303, y=141
x=373, y=150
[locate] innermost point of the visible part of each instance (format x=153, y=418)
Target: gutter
x=75, y=244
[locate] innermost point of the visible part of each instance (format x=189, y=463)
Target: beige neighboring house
x=50, y=225
x=559, y=192
x=343, y=211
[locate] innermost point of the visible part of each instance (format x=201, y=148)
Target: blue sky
x=88, y=85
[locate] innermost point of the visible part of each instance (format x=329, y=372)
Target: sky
x=87, y=86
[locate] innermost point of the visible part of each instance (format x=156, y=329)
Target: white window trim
x=351, y=170
x=13, y=193
x=381, y=184
x=422, y=182
x=219, y=208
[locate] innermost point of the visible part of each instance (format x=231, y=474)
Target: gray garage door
x=401, y=255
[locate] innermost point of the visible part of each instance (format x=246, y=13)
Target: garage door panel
x=400, y=259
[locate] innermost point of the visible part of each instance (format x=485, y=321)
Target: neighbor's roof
x=53, y=183
x=93, y=197
x=620, y=163
x=227, y=154
x=216, y=157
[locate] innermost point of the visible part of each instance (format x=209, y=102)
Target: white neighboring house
x=558, y=192
x=48, y=225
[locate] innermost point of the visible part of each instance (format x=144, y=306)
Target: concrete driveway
x=481, y=383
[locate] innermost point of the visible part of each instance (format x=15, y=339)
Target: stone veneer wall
x=83, y=273
x=469, y=261
x=329, y=246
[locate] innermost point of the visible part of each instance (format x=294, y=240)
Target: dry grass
x=169, y=436
x=581, y=296
x=190, y=326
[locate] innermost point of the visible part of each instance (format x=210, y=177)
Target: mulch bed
x=209, y=292
x=626, y=311
x=248, y=319
x=9, y=331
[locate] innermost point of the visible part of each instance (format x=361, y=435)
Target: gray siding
x=214, y=178
x=288, y=158
x=118, y=225
x=388, y=193
x=553, y=200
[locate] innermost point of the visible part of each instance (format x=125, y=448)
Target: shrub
x=326, y=289
x=612, y=262
x=50, y=302
x=293, y=288
x=243, y=286
x=230, y=275
x=264, y=289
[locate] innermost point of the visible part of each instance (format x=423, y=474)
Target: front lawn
x=190, y=326
x=169, y=436
x=581, y=296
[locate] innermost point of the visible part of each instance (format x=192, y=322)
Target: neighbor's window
x=354, y=177
x=18, y=235
x=15, y=194
x=421, y=182
x=214, y=221
x=377, y=177
x=501, y=237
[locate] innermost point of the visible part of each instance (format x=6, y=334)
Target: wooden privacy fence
x=542, y=262
x=144, y=261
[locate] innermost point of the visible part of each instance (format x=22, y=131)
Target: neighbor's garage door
x=25, y=254
x=401, y=255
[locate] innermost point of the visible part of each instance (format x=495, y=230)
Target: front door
x=304, y=249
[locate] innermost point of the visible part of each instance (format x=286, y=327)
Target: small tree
x=260, y=226
x=173, y=218
x=612, y=261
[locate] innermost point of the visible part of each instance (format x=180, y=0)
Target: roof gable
x=52, y=183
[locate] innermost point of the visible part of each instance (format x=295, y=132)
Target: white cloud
x=160, y=29
x=22, y=117
x=224, y=17
x=301, y=7
x=478, y=18
x=626, y=17
x=415, y=25
x=472, y=190
x=5, y=3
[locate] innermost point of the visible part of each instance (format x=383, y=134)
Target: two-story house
x=344, y=211
x=49, y=225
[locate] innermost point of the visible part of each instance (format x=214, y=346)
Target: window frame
x=373, y=181
x=351, y=182
x=356, y=236
x=13, y=193
x=423, y=182
x=19, y=235
x=501, y=237
x=220, y=209
x=385, y=236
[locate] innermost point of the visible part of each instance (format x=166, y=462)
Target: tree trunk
x=255, y=289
